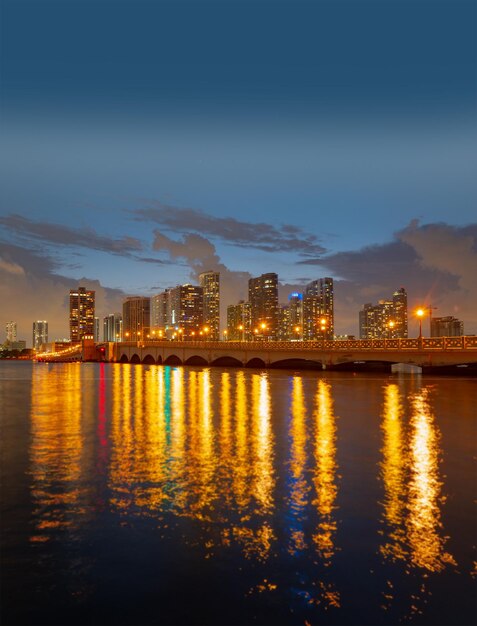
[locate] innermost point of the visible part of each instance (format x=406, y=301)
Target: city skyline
x=323, y=147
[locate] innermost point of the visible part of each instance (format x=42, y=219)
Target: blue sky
x=144, y=141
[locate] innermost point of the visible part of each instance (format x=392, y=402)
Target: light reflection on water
x=252, y=458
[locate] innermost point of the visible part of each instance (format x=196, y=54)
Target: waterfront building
x=40, y=334
x=263, y=298
x=385, y=320
x=293, y=319
x=136, y=317
x=159, y=312
x=210, y=283
x=400, y=329
x=283, y=329
x=239, y=321
x=82, y=304
x=185, y=312
x=318, y=309
x=11, y=331
x=446, y=327
x=96, y=329
x=113, y=327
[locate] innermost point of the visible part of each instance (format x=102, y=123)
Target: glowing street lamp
x=225, y=335
x=323, y=325
x=420, y=314
x=391, y=325
x=241, y=330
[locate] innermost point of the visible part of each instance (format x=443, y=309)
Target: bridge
x=429, y=354
x=425, y=353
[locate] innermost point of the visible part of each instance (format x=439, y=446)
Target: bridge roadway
x=441, y=352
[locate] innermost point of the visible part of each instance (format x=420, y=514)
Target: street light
x=225, y=335
x=241, y=330
x=391, y=325
x=297, y=329
x=420, y=314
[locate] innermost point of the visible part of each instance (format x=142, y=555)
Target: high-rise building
x=263, y=298
x=400, y=313
x=11, y=331
x=96, y=329
x=136, y=317
x=113, y=327
x=210, y=283
x=318, y=309
x=385, y=320
x=40, y=334
x=82, y=303
x=185, y=312
x=238, y=321
x=159, y=311
x=295, y=316
x=446, y=327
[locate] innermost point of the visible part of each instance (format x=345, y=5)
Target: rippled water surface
x=169, y=495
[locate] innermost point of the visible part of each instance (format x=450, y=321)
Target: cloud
x=435, y=263
x=200, y=254
x=34, y=290
x=260, y=235
x=57, y=234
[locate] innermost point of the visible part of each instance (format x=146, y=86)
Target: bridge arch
x=124, y=358
x=227, y=361
x=297, y=363
x=196, y=360
x=172, y=359
x=135, y=358
x=256, y=362
x=149, y=360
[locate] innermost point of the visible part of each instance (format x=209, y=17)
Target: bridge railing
x=423, y=343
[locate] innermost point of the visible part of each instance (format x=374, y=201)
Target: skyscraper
x=385, y=320
x=113, y=327
x=185, y=311
x=82, y=304
x=238, y=321
x=446, y=327
x=210, y=283
x=11, y=331
x=136, y=317
x=40, y=334
x=295, y=316
x=318, y=309
x=263, y=298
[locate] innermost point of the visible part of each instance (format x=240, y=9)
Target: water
x=168, y=495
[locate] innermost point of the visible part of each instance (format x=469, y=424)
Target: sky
x=143, y=142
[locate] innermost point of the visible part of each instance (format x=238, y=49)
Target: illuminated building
x=82, y=302
x=136, y=317
x=400, y=313
x=159, y=308
x=185, y=310
x=385, y=320
x=40, y=334
x=446, y=327
x=11, y=330
x=295, y=316
x=283, y=322
x=113, y=327
x=318, y=309
x=96, y=329
x=263, y=298
x=210, y=283
x=238, y=322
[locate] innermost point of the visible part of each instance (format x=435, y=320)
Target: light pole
x=241, y=331
x=391, y=325
x=420, y=313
